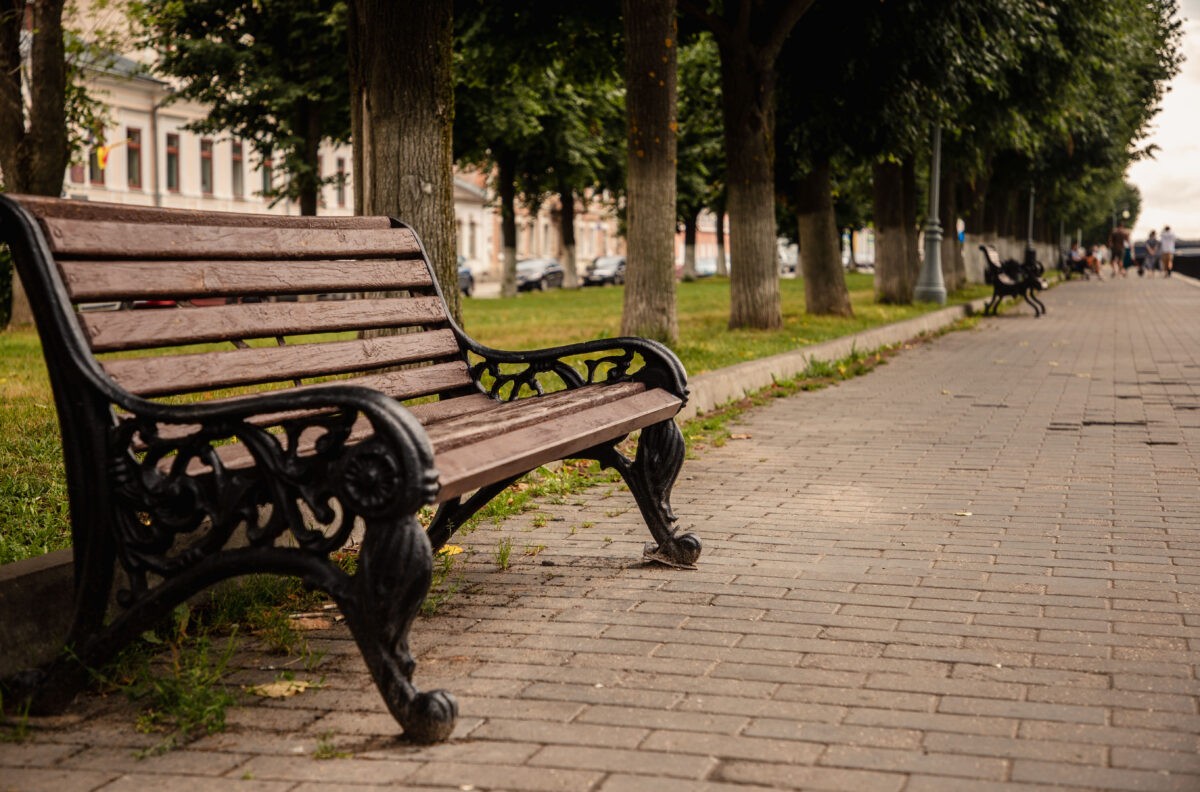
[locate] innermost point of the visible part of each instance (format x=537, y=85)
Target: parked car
x=466, y=280
x=605, y=269
x=539, y=274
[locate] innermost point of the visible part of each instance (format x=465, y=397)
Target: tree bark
x=567, y=230
x=748, y=87
x=650, y=69
x=689, y=247
x=893, y=282
x=407, y=114
x=506, y=174
x=34, y=148
x=912, y=234
x=310, y=185
x=825, y=291
x=722, y=263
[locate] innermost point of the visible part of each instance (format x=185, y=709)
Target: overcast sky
x=1170, y=183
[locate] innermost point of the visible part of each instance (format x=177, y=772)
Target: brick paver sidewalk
x=976, y=568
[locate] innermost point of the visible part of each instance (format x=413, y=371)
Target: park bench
x=1012, y=278
x=260, y=435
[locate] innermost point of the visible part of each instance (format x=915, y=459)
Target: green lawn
x=33, y=508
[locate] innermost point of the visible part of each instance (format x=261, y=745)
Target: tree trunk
x=358, y=93
x=34, y=149
x=912, y=234
x=407, y=115
x=748, y=87
x=567, y=230
x=722, y=263
x=824, y=278
x=893, y=283
x=310, y=182
x=852, y=261
x=689, y=247
x=506, y=186
x=650, y=62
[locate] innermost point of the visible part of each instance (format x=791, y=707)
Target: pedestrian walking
x=1166, y=250
x=1118, y=241
x=1150, y=261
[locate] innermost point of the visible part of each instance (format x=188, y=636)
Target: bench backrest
x=257, y=319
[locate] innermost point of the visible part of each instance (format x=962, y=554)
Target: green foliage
x=272, y=72
x=503, y=551
x=538, y=90
x=700, y=166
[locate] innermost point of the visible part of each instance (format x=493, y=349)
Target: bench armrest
x=603, y=360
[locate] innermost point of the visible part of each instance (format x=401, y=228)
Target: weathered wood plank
x=426, y=412
x=80, y=238
x=127, y=213
x=506, y=453
x=133, y=280
x=459, y=431
x=161, y=376
x=118, y=330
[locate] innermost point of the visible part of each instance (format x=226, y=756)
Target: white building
x=153, y=160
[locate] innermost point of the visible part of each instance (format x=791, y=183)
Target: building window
x=95, y=166
x=268, y=176
x=341, y=182
x=206, y=166
x=133, y=157
x=236, y=169
x=77, y=173
x=471, y=249
x=173, y=163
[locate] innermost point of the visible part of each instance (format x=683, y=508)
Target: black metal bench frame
x=1012, y=278
x=160, y=511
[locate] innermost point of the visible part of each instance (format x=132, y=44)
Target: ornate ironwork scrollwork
x=179, y=501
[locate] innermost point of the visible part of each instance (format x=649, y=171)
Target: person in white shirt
x=1166, y=249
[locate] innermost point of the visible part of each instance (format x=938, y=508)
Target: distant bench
x=205, y=441
x=1012, y=278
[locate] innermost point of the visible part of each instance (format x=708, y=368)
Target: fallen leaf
x=739, y=437
x=450, y=550
x=962, y=514
x=281, y=689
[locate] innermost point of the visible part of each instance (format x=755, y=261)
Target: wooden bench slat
x=508, y=453
x=464, y=429
x=103, y=239
x=118, y=330
x=163, y=376
x=133, y=280
x=131, y=213
x=427, y=413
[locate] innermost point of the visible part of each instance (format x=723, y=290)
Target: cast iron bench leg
x=650, y=477
x=395, y=567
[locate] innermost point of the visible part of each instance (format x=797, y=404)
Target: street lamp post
x=930, y=286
